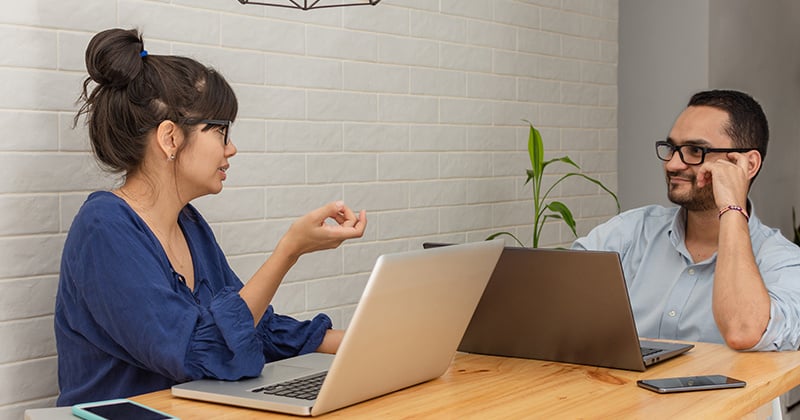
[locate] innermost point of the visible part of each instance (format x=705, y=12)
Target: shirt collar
x=677, y=230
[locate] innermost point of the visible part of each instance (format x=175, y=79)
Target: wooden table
x=498, y=387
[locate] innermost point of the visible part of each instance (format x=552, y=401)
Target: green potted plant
x=542, y=208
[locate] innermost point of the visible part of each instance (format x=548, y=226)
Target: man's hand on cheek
x=729, y=179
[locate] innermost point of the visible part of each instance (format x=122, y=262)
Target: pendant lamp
x=312, y=4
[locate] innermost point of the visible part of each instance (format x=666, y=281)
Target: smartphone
x=119, y=409
x=690, y=383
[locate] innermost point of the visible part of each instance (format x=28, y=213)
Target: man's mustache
x=687, y=176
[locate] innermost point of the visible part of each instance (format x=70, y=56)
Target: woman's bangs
x=218, y=101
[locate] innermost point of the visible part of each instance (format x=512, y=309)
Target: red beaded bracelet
x=734, y=208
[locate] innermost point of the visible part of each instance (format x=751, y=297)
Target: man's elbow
x=741, y=340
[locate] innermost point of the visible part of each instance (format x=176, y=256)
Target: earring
x=172, y=156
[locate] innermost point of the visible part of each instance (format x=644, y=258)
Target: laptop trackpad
x=296, y=367
x=278, y=372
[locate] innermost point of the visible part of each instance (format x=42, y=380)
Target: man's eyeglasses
x=224, y=125
x=691, y=154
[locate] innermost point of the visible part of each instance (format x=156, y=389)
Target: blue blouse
x=126, y=324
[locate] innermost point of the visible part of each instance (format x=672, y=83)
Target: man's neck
x=702, y=233
x=702, y=226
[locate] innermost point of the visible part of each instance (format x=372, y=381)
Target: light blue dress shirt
x=671, y=295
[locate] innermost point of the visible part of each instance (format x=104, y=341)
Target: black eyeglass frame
x=214, y=123
x=705, y=151
x=209, y=125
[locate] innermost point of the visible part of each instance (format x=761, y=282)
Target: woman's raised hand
x=324, y=228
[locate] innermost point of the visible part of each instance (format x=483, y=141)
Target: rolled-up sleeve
x=284, y=336
x=779, y=263
x=224, y=344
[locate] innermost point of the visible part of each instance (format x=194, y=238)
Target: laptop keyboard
x=646, y=351
x=305, y=388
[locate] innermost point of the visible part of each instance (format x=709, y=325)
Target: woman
x=146, y=298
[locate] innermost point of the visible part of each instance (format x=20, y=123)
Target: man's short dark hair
x=747, y=124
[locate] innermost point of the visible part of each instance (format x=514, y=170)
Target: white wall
x=411, y=110
x=661, y=63
x=757, y=49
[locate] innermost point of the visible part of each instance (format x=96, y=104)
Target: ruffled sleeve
x=224, y=345
x=284, y=336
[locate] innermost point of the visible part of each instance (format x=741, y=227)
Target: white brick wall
x=411, y=110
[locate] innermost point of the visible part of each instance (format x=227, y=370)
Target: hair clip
x=143, y=54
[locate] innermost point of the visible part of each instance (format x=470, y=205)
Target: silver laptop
x=561, y=305
x=405, y=330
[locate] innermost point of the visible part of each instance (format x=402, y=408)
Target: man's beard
x=696, y=199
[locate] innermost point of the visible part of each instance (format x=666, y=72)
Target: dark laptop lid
x=561, y=305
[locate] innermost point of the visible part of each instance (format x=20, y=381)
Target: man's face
x=700, y=126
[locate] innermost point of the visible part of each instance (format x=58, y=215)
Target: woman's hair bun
x=113, y=57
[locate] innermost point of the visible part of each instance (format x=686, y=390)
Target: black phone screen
x=124, y=411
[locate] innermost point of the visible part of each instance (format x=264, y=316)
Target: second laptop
x=561, y=305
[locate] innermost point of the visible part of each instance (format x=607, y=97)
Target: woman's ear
x=169, y=136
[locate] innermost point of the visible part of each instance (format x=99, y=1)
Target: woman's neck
x=159, y=207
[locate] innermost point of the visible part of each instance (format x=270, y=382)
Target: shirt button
x=672, y=313
x=691, y=271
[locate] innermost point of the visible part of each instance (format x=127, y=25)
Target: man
x=709, y=270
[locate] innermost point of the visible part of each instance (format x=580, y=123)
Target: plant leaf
x=495, y=235
x=565, y=214
x=564, y=159
x=594, y=181
x=536, y=152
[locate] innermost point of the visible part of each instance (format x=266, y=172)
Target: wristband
x=734, y=208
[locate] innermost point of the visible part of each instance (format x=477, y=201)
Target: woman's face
x=203, y=163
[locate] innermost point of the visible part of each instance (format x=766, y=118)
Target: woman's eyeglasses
x=691, y=154
x=224, y=125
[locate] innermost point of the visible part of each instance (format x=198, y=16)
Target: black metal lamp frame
x=311, y=4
